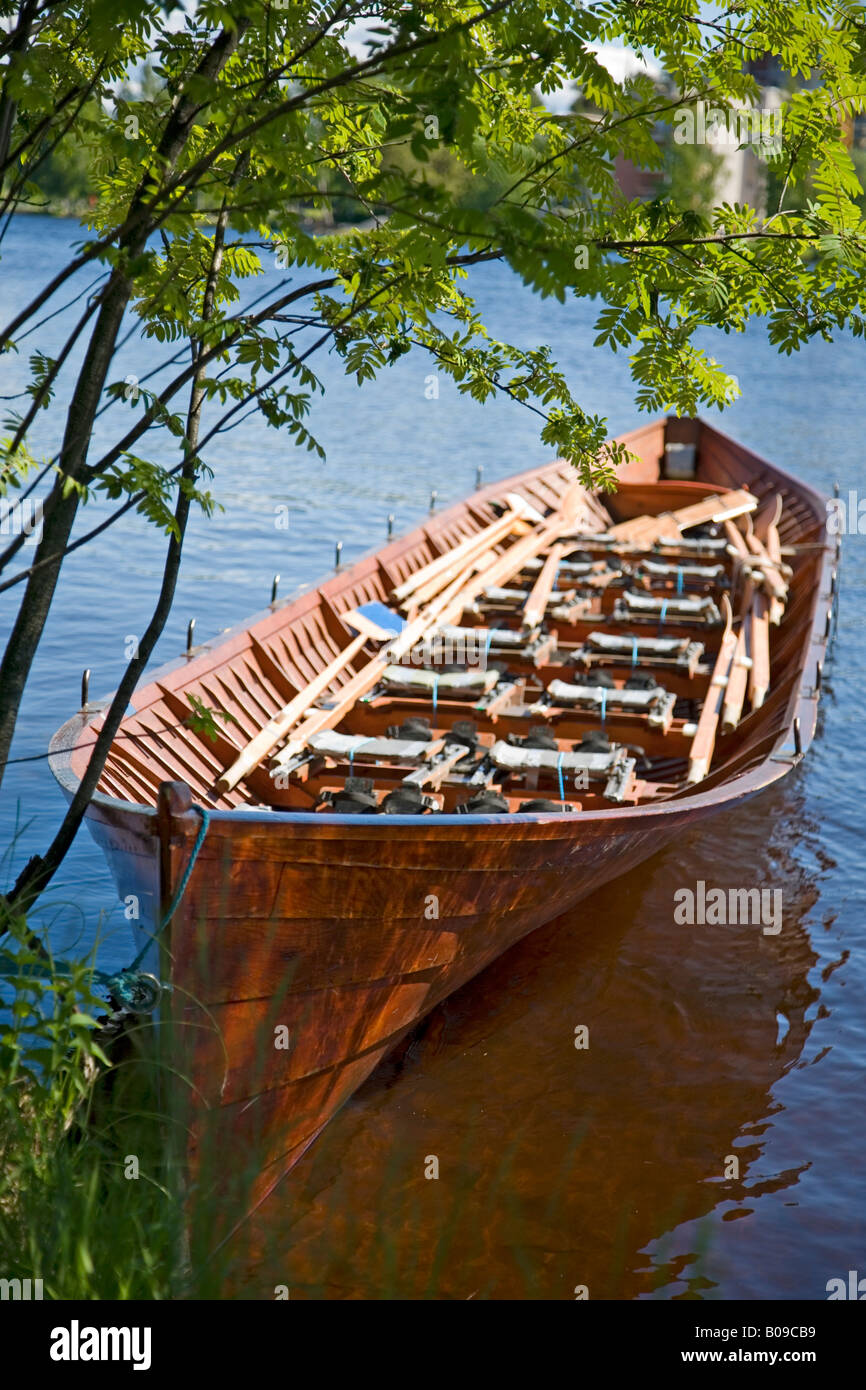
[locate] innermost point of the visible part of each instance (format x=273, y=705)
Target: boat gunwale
x=740, y=785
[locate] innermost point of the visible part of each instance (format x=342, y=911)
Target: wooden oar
x=572, y=503
x=277, y=727
x=535, y=606
x=740, y=554
x=449, y=606
x=519, y=510
x=770, y=570
x=704, y=741
x=515, y=558
x=446, y=608
x=735, y=691
x=774, y=550
x=280, y=725
x=736, y=541
x=446, y=577
x=759, y=676
x=645, y=530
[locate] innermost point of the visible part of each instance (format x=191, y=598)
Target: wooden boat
x=631, y=664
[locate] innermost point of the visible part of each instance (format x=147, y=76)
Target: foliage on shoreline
x=96, y=1198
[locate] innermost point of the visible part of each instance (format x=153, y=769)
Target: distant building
x=742, y=175
x=738, y=140
x=636, y=182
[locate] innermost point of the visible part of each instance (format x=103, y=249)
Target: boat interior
x=536, y=649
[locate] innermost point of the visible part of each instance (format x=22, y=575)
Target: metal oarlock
x=275, y=584
x=338, y=555
x=85, y=687
x=433, y=496
x=834, y=605
x=785, y=755
x=190, y=632
x=390, y=525
x=479, y=474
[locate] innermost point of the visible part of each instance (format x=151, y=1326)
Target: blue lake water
x=707, y=1042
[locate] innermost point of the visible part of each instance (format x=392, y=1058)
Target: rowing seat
x=598, y=540
x=354, y=748
x=578, y=569
x=454, y=685
x=689, y=545
x=614, y=767
x=695, y=610
x=472, y=646
x=682, y=574
x=360, y=748
x=490, y=691
x=657, y=703
x=662, y=651
x=496, y=597
x=487, y=636
x=696, y=545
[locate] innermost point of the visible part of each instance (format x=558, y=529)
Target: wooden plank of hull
x=482, y=906
x=231, y=1049
x=390, y=875
x=257, y=959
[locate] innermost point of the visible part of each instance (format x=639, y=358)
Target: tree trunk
x=38, y=873
x=60, y=511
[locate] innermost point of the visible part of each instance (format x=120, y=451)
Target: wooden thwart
x=646, y=530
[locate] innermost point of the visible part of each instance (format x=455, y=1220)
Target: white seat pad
x=644, y=646
x=506, y=756
x=561, y=693
x=425, y=682
x=679, y=607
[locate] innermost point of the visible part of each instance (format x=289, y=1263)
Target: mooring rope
x=181, y=887
x=133, y=989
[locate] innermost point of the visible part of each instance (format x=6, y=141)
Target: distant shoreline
x=78, y=214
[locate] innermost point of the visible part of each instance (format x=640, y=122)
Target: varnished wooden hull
x=348, y=936
x=307, y=945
